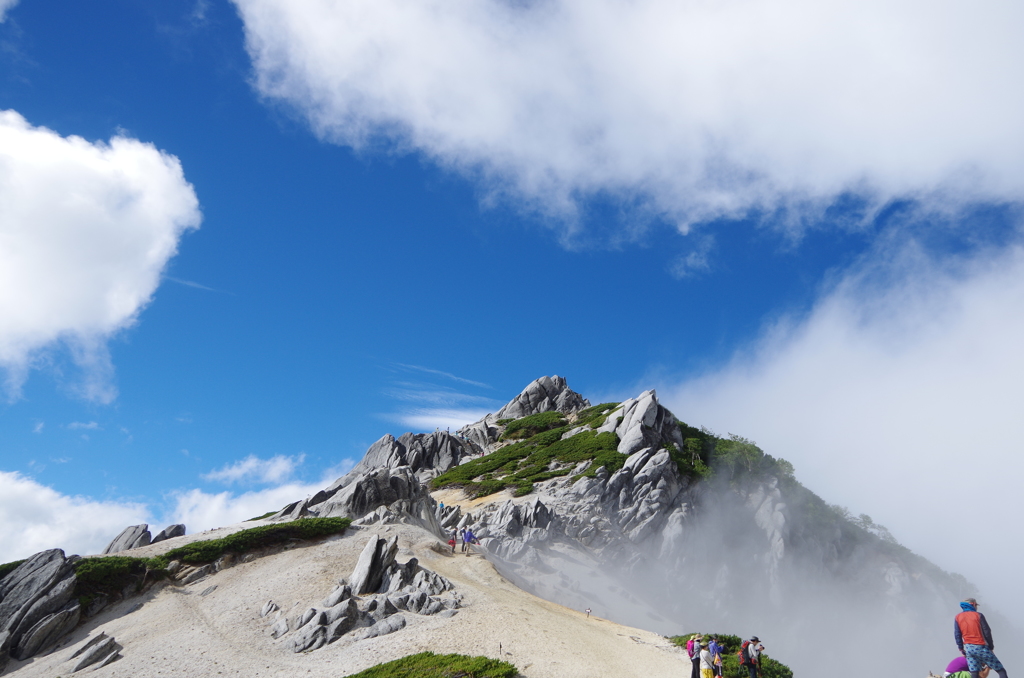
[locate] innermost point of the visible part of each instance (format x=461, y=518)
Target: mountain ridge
x=626, y=510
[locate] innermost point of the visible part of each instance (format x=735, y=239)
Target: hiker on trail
x=467, y=538
x=451, y=542
x=974, y=640
x=707, y=665
x=693, y=652
x=750, y=656
x=716, y=655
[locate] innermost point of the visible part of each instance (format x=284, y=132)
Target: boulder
x=373, y=563
x=30, y=594
x=47, y=631
x=94, y=651
x=279, y=628
x=427, y=454
x=169, y=532
x=546, y=394
x=382, y=628
x=396, y=489
x=131, y=537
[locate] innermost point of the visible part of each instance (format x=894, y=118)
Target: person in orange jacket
x=974, y=639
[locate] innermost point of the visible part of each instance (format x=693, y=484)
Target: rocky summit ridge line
x=620, y=508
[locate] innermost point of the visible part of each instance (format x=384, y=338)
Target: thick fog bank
x=823, y=593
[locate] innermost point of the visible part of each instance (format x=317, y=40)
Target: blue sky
x=402, y=216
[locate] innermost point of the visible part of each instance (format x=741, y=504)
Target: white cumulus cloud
x=85, y=231
x=692, y=110
x=34, y=517
x=898, y=396
x=277, y=469
x=200, y=510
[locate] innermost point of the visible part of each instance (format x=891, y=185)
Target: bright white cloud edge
x=691, y=110
x=35, y=517
x=86, y=228
x=899, y=399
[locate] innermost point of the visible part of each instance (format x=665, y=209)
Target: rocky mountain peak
x=547, y=394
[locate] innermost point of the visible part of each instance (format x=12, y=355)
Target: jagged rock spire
x=546, y=394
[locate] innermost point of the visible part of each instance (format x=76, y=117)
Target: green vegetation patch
x=265, y=515
x=7, y=568
x=595, y=416
x=257, y=537
x=524, y=463
x=527, y=427
x=770, y=668
x=430, y=665
x=111, y=575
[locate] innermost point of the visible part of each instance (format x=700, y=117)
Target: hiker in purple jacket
x=468, y=538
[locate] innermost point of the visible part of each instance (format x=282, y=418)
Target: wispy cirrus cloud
x=83, y=426
x=6, y=6
x=195, y=285
x=440, y=373
x=432, y=404
x=253, y=469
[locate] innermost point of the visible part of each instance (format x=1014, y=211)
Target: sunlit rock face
x=660, y=541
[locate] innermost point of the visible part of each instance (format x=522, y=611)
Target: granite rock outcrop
x=37, y=605
x=369, y=604
x=130, y=537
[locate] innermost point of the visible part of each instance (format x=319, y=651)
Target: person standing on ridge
x=750, y=656
x=974, y=640
x=716, y=655
x=707, y=665
x=693, y=652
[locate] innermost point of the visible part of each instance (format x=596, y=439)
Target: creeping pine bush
x=257, y=537
x=538, y=458
x=7, y=568
x=770, y=668
x=430, y=665
x=530, y=426
x=595, y=416
x=111, y=575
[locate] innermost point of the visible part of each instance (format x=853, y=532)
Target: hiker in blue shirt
x=467, y=538
x=716, y=655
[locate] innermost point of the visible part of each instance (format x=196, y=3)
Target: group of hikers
x=974, y=640
x=466, y=536
x=706, y=656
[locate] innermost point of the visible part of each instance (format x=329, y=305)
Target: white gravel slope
x=177, y=632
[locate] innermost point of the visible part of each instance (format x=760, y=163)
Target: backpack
x=743, y=654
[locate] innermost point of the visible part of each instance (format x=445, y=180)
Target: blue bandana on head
x=967, y=607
